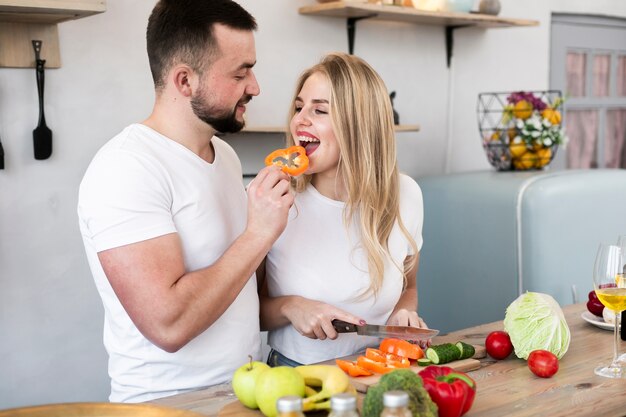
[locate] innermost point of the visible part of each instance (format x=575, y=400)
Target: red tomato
x=498, y=344
x=543, y=363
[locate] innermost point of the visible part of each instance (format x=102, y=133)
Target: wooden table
x=507, y=387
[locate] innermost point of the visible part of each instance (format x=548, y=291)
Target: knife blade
x=399, y=332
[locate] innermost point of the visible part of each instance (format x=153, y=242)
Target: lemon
x=543, y=157
x=526, y=161
x=523, y=109
x=517, y=149
x=553, y=116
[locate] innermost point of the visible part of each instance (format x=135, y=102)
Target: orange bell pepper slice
x=352, y=368
x=390, y=359
x=376, y=367
x=292, y=160
x=402, y=348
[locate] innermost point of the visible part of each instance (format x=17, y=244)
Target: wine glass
x=610, y=286
x=621, y=242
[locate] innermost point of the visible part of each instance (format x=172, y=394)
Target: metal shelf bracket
x=450, y=41
x=351, y=24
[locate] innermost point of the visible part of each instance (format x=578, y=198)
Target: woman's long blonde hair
x=362, y=120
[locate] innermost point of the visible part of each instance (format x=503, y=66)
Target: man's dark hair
x=181, y=31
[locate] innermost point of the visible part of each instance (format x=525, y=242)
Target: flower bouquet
x=520, y=130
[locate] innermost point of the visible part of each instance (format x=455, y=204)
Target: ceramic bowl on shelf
x=459, y=6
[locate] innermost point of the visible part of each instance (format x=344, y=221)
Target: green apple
x=275, y=383
x=244, y=382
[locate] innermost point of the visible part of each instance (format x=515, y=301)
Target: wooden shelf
x=354, y=12
x=21, y=21
x=264, y=129
x=411, y=15
x=282, y=129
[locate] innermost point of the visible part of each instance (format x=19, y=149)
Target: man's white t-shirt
x=142, y=185
x=317, y=258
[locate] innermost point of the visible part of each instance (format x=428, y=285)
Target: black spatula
x=42, y=136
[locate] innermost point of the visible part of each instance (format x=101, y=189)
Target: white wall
x=50, y=314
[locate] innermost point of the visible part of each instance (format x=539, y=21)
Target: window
x=588, y=63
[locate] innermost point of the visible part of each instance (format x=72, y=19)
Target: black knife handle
x=623, y=321
x=343, y=326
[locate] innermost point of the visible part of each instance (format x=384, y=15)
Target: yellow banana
x=330, y=378
x=309, y=391
x=324, y=405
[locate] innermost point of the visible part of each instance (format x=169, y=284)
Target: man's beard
x=223, y=121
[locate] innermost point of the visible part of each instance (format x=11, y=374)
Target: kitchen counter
x=505, y=388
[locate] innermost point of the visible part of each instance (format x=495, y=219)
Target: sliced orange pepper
x=292, y=160
x=376, y=367
x=352, y=368
x=401, y=348
x=388, y=358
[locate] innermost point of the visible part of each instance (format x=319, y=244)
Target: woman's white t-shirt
x=141, y=185
x=316, y=257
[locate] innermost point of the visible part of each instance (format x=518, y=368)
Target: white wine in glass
x=621, y=242
x=610, y=287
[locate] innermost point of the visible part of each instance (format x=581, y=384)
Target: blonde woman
x=350, y=250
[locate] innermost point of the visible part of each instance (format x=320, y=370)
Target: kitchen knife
x=399, y=332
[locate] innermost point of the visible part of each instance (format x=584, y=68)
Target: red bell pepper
x=452, y=391
x=594, y=305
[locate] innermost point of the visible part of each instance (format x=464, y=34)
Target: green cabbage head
x=535, y=321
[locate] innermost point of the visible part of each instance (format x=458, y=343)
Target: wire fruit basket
x=520, y=130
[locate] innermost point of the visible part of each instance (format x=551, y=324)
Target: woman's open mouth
x=310, y=144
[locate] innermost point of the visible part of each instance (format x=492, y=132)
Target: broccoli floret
x=406, y=380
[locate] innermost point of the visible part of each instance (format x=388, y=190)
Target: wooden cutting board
x=362, y=383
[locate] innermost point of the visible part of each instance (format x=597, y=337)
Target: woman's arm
x=310, y=318
x=405, y=311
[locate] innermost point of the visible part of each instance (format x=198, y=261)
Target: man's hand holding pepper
x=269, y=201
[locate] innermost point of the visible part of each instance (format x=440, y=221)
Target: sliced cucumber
x=440, y=354
x=424, y=362
x=467, y=350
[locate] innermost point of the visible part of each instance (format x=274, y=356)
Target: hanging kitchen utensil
x=1, y=156
x=42, y=136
